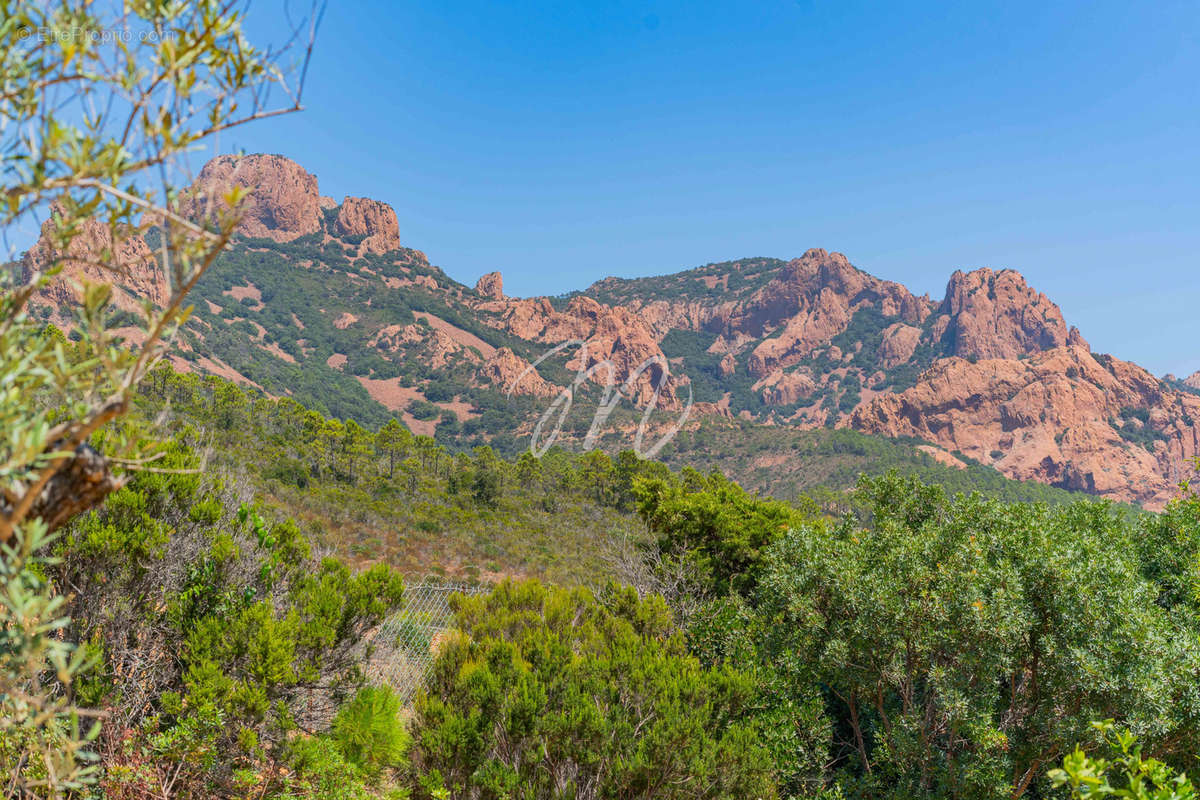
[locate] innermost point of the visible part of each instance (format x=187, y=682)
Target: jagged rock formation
x=1063, y=416
x=282, y=202
x=813, y=299
x=371, y=221
x=1193, y=380
x=610, y=335
x=990, y=314
x=511, y=373
x=785, y=388
x=95, y=256
x=490, y=286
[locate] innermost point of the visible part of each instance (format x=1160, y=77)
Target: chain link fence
x=406, y=642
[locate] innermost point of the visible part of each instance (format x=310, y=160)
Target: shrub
x=551, y=693
x=369, y=731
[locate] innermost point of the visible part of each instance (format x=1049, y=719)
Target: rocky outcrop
x=282, y=201
x=813, y=299
x=1063, y=416
x=490, y=286
x=990, y=314
x=438, y=348
x=899, y=343
x=785, y=388
x=508, y=372
x=95, y=255
x=727, y=365
x=613, y=336
x=1193, y=381
x=370, y=222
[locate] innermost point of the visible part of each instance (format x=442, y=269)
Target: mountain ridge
x=992, y=371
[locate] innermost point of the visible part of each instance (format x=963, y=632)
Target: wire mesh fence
x=406, y=642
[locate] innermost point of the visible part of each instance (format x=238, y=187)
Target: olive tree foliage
x=99, y=103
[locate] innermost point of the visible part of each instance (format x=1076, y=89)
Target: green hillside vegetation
x=824, y=464
x=280, y=284
x=745, y=276
x=465, y=509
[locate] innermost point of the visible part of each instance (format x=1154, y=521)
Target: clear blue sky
x=563, y=142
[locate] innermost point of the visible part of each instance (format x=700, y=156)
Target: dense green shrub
x=716, y=523
x=216, y=633
x=956, y=647
x=559, y=693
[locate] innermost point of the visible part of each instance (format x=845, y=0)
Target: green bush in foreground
x=1126, y=775
x=556, y=693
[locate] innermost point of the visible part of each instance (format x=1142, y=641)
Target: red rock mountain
x=991, y=372
x=95, y=255
x=283, y=202
x=371, y=221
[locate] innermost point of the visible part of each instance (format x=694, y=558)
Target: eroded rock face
x=282, y=202
x=95, y=256
x=997, y=315
x=814, y=299
x=491, y=286
x=510, y=373
x=613, y=335
x=372, y=221
x=785, y=388
x=727, y=365
x=1057, y=417
x=1193, y=381
x=899, y=343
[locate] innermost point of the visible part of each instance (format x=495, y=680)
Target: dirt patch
x=770, y=460
x=390, y=393
x=296, y=321
x=274, y=349
x=345, y=321
x=941, y=456
x=223, y=370
x=337, y=361
x=395, y=397
x=464, y=338
x=240, y=293
x=463, y=410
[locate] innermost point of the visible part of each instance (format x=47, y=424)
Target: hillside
x=319, y=300
x=381, y=494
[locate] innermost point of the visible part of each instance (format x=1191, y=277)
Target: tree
x=964, y=644
x=392, y=442
x=552, y=693
x=89, y=122
x=720, y=525
x=355, y=446
x=529, y=470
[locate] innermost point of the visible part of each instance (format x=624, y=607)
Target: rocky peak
x=813, y=299
x=491, y=285
x=1193, y=381
x=96, y=255
x=282, y=203
x=372, y=220
x=989, y=314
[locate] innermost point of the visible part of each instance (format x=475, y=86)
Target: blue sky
x=560, y=143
